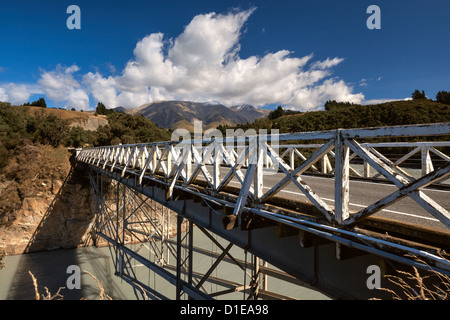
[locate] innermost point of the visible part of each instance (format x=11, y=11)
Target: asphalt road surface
x=362, y=194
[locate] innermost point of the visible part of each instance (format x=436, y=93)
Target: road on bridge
x=362, y=194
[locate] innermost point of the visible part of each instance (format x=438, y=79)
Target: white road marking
x=379, y=183
x=357, y=205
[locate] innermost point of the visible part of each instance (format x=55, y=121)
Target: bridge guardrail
x=182, y=162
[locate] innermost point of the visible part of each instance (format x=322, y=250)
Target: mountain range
x=182, y=114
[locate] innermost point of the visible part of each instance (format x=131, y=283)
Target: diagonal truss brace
x=406, y=187
x=294, y=176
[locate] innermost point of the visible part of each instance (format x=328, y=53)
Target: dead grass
x=60, y=113
x=413, y=285
x=47, y=295
x=59, y=296
x=102, y=294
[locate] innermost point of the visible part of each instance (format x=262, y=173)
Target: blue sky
x=294, y=53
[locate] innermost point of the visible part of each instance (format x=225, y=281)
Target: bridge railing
x=247, y=160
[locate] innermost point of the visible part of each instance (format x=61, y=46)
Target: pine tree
x=101, y=109
x=443, y=97
x=418, y=95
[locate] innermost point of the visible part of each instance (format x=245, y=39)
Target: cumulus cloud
x=15, y=94
x=203, y=64
x=104, y=89
x=3, y=95
x=328, y=63
x=60, y=86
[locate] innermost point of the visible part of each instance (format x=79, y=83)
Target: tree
x=279, y=112
x=126, y=128
x=48, y=129
x=77, y=137
x=333, y=105
x=41, y=103
x=38, y=103
x=101, y=109
x=418, y=95
x=443, y=97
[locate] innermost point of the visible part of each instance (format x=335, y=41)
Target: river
x=50, y=268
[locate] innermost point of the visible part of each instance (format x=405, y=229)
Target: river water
x=50, y=268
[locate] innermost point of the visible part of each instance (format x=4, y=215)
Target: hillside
x=182, y=114
x=42, y=204
x=85, y=120
x=344, y=116
x=363, y=116
x=25, y=125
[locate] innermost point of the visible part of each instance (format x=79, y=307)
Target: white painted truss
x=333, y=153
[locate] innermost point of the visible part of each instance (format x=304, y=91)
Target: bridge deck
x=299, y=222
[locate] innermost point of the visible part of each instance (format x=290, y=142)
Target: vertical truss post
x=190, y=251
x=179, y=262
x=189, y=156
x=216, y=165
x=184, y=264
x=264, y=280
x=255, y=278
x=366, y=169
x=164, y=259
x=124, y=205
x=168, y=236
x=341, y=179
x=116, y=245
x=258, y=183
x=291, y=158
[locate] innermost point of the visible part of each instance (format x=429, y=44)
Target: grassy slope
x=72, y=116
x=359, y=116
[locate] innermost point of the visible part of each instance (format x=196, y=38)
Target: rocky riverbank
x=46, y=202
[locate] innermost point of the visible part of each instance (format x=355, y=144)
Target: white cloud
x=328, y=63
x=208, y=41
x=18, y=94
x=3, y=95
x=365, y=82
x=111, y=68
x=60, y=86
x=203, y=64
x=378, y=101
x=312, y=97
x=15, y=94
x=103, y=89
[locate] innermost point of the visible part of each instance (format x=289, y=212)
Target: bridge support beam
x=343, y=252
x=314, y=266
x=126, y=221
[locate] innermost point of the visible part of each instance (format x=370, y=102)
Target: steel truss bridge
x=312, y=209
